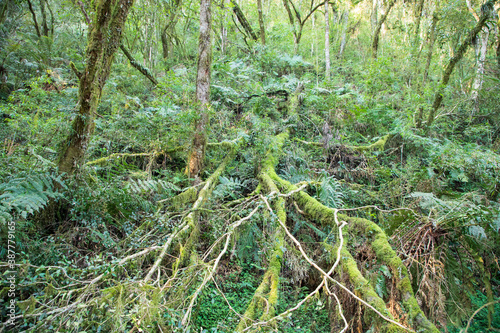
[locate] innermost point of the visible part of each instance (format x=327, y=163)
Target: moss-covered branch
x=379, y=243
x=377, y=145
x=270, y=281
x=138, y=66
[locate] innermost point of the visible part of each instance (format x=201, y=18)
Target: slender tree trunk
x=292, y=22
x=224, y=40
x=197, y=154
x=45, y=27
x=35, y=22
x=438, y=99
x=261, y=23
x=374, y=15
x=327, y=42
x=478, y=80
x=497, y=8
x=243, y=20
x=376, y=34
x=104, y=39
x=138, y=66
x=481, y=50
x=418, y=20
x=165, y=43
x=431, y=42
x=343, y=40
x=51, y=18
x=169, y=29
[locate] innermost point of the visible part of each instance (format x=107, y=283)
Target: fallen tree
x=158, y=284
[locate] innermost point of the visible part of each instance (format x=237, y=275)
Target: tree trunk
x=327, y=42
x=374, y=15
x=165, y=43
x=418, y=19
x=261, y=23
x=438, y=99
x=35, y=22
x=497, y=8
x=169, y=29
x=243, y=20
x=104, y=39
x=478, y=80
x=343, y=40
x=431, y=42
x=224, y=24
x=45, y=27
x=376, y=34
x=197, y=154
x=138, y=66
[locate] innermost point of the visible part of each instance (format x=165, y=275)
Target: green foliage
x=27, y=195
x=479, y=323
x=151, y=186
x=330, y=192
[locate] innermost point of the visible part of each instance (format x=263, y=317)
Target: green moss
x=378, y=145
x=386, y=255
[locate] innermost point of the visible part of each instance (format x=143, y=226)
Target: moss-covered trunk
x=199, y=144
x=430, y=43
x=327, y=42
x=261, y=23
x=243, y=20
x=104, y=39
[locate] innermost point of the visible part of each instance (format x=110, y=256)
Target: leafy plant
x=330, y=192
x=27, y=195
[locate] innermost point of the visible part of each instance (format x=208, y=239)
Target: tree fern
x=27, y=195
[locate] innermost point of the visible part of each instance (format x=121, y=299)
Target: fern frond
x=27, y=195
x=330, y=192
x=151, y=186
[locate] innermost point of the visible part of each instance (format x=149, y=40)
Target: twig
x=182, y=228
x=312, y=263
x=477, y=311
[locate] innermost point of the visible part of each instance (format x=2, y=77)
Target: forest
x=240, y=166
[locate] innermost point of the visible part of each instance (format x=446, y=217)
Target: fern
x=428, y=200
x=330, y=192
x=151, y=186
x=295, y=175
x=27, y=195
x=229, y=187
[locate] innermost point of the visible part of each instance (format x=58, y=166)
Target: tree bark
x=478, y=80
x=35, y=22
x=261, y=23
x=104, y=39
x=243, y=20
x=138, y=66
x=169, y=28
x=431, y=42
x=327, y=42
x=343, y=40
x=197, y=154
x=438, y=99
x=376, y=34
x=374, y=15
x=418, y=19
x=45, y=27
